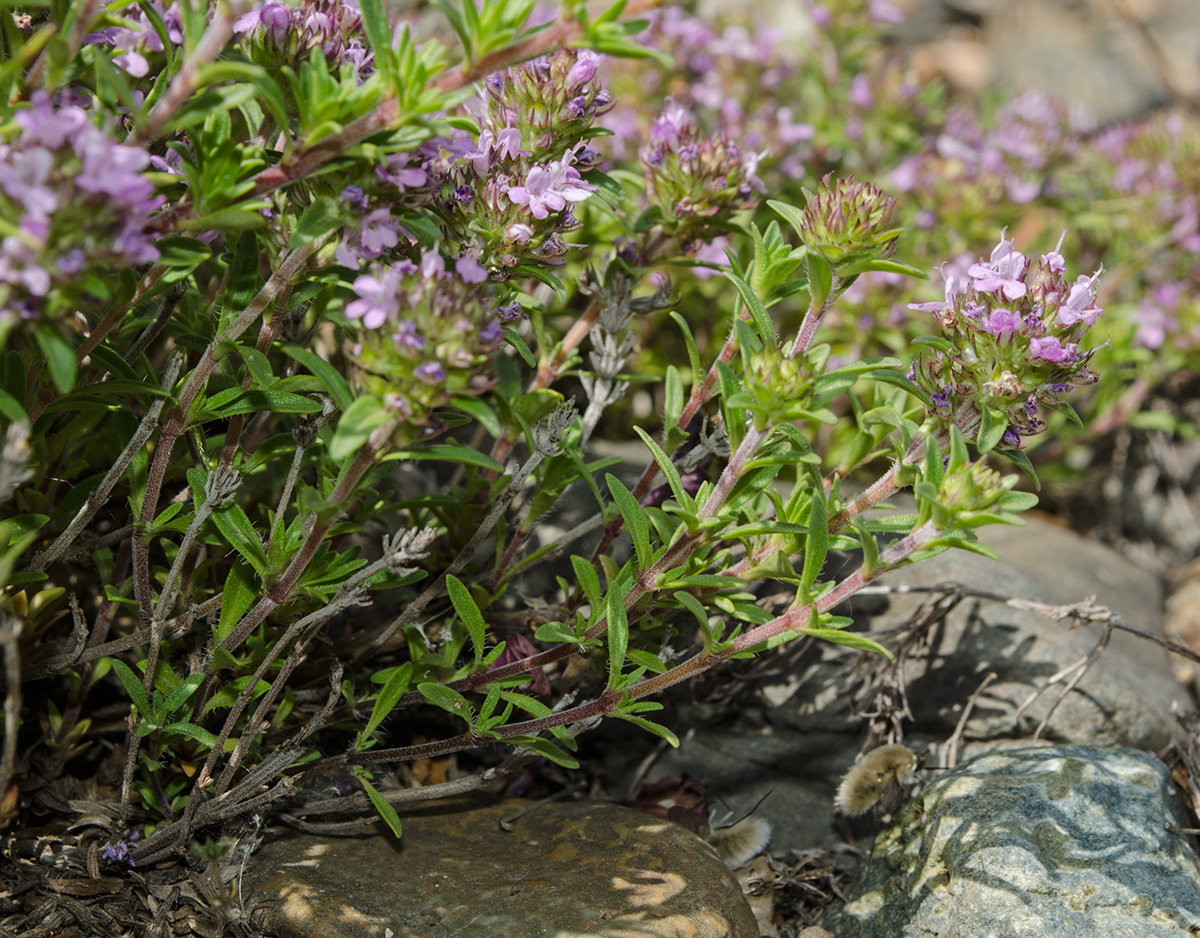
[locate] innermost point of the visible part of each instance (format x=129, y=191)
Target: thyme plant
x=293, y=309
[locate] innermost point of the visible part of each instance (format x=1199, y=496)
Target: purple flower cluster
x=1015, y=329
x=551, y=102
x=141, y=38
x=278, y=34
x=428, y=335
x=697, y=180
x=74, y=199
x=1010, y=160
x=727, y=79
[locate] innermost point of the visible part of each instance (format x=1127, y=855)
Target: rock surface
x=798, y=745
x=1065, y=841
x=570, y=870
x=1116, y=59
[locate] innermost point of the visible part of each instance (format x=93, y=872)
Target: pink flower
x=1004, y=273
x=549, y=188
x=1048, y=349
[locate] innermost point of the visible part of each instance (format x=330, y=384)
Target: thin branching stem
x=99, y=497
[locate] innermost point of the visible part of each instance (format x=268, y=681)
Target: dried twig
x=950, y=758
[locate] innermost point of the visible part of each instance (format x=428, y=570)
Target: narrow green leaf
x=849, y=639
x=635, y=519
x=241, y=589
x=993, y=423
x=588, y=580
x=181, y=694
x=192, y=731
x=650, y=727
x=448, y=699
x=816, y=543
x=393, y=690
x=762, y=319
x=514, y=339
x=321, y=216
x=468, y=612
x=355, y=426
x=543, y=747
x=234, y=401
x=236, y=528
x=385, y=808
x=133, y=686
x=59, y=355
x=693, y=354
x=668, y=468
x=334, y=383
x=618, y=631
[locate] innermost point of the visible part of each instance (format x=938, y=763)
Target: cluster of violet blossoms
x=140, y=38
x=75, y=203
x=1014, y=331
x=697, y=181
x=428, y=335
x=278, y=34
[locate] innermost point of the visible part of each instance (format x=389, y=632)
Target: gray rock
x=1117, y=60
x=799, y=743
x=1065, y=841
x=1125, y=699
x=570, y=870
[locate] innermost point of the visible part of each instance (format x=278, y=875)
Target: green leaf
x=993, y=422
x=449, y=452
x=192, y=731
x=849, y=639
x=762, y=319
x=241, y=589
x=650, y=727
x=236, y=528
x=133, y=686
x=176, y=251
x=59, y=355
x=635, y=519
x=334, y=383
x=181, y=694
x=385, y=808
x=693, y=354
x=468, y=612
x=229, y=693
x=234, y=401
x=321, y=216
x=816, y=543
x=588, y=580
x=514, y=339
x=448, y=699
x=544, y=747
x=397, y=683
x=540, y=274
x=668, y=468
x=618, y=631
x=357, y=423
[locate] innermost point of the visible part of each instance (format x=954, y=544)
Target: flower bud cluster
x=275, y=34
x=698, y=181
x=780, y=386
x=847, y=221
x=428, y=335
x=74, y=204
x=1014, y=330
x=552, y=102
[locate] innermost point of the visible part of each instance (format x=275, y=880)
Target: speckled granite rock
x=1063, y=841
x=571, y=870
